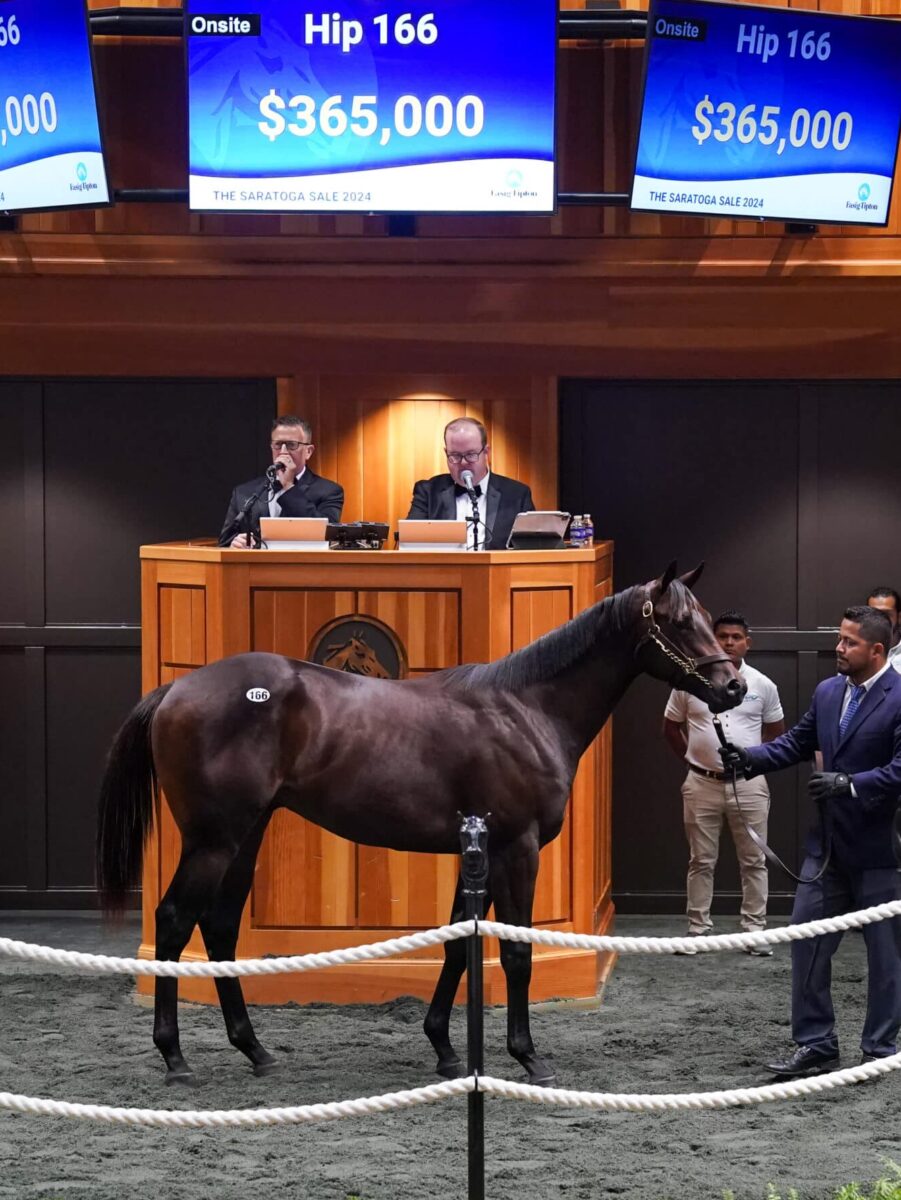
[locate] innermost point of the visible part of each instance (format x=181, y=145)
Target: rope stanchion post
x=474, y=842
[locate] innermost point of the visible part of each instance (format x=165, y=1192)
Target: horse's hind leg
x=437, y=1020
x=198, y=876
x=219, y=927
x=513, y=874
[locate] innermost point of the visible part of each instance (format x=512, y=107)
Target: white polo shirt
x=742, y=725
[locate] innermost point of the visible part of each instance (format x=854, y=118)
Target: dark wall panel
x=13, y=795
x=791, y=494
x=859, y=486
x=14, y=465
x=662, y=469
x=89, y=694
x=89, y=470
x=129, y=462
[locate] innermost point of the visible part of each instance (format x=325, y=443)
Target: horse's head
x=677, y=644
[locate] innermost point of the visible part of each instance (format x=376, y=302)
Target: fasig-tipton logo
x=860, y=204
x=686, y=30
x=224, y=25
x=84, y=184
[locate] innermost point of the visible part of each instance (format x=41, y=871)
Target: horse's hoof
x=542, y=1080
x=265, y=1068
x=181, y=1077
x=450, y=1069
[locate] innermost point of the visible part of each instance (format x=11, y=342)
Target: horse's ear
x=690, y=578
x=659, y=586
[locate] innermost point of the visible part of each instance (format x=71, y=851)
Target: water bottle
x=587, y=531
x=577, y=533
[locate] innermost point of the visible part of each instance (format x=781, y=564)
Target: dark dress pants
x=843, y=890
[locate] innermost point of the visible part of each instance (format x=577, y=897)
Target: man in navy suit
x=444, y=498
x=855, y=721
x=295, y=492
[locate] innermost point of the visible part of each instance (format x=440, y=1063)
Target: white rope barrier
x=107, y=965
x=394, y=1101
x=237, y=1117
x=103, y=964
x=706, y=944
x=677, y=1102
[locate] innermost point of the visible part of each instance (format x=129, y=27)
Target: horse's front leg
x=514, y=870
x=437, y=1020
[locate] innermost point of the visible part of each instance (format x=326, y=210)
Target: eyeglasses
x=289, y=445
x=471, y=456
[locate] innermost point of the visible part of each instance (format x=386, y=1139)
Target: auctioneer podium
x=383, y=613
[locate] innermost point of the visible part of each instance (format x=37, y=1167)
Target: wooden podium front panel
x=534, y=612
x=428, y=624
x=306, y=877
x=285, y=620
x=313, y=891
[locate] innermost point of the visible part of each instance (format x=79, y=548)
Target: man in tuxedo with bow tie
x=293, y=490
x=444, y=498
x=855, y=721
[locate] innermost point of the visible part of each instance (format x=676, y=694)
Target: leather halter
x=688, y=667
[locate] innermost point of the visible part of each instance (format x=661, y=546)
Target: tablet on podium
x=431, y=535
x=294, y=533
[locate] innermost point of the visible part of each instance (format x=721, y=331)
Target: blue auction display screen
x=50, y=150
x=371, y=105
x=768, y=112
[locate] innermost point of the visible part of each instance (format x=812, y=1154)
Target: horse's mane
x=550, y=655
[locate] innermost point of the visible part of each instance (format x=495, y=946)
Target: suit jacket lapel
x=491, y=510
x=447, y=502
x=831, y=713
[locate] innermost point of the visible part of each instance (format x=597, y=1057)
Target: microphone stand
x=243, y=523
x=475, y=519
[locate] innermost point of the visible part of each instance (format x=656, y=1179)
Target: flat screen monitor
x=395, y=106
x=768, y=112
x=51, y=154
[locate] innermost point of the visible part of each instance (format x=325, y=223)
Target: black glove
x=736, y=758
x=829, y=785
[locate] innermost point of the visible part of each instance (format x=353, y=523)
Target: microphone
x=466, y=480
x=272, y=471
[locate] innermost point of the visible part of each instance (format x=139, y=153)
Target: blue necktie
x=853, y=705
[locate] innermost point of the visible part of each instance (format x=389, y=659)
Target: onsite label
x=444, y=106
x=765, y=112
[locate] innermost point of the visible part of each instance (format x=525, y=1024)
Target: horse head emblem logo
x=360, y=646
x=355, y=657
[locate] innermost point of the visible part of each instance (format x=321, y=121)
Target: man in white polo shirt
x=887, y=600
x=708, y=797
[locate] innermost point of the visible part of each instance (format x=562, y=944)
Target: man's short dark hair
x=874, y=625
x=885, y=593
x=457, y=422
x=731, y=617
x=289, y=421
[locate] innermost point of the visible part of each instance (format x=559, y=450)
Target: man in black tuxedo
x=443, y=497
x=295, y=492
x=855, y=721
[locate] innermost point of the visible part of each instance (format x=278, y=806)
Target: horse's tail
x=125, y=810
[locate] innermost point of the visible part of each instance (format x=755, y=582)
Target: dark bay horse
x=500, y=740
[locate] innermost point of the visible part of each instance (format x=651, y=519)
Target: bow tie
x=460, y=490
